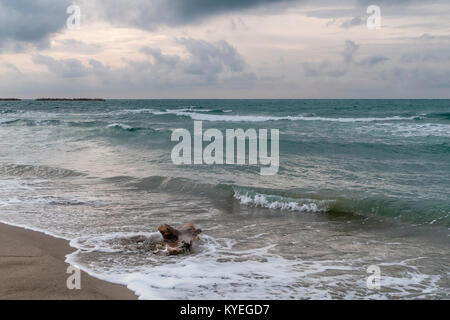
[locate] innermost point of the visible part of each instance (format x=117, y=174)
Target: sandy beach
x=32, y=267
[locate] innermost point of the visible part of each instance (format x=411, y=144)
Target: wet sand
x=32, y=267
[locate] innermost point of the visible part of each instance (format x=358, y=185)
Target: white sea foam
x=216, y=271
x=277, y=203
x=160, y=112
x=261, y=118
x=120, y=125
x=109, y=242
x=414, y=129
x=198, y=114
x=7, y=121
x=258, y=118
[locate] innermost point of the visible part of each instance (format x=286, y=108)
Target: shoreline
x=33, y=267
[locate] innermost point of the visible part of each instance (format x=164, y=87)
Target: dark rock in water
x=179, y=240
x=9, y=99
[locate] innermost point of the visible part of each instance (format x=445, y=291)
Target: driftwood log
x=179, y=240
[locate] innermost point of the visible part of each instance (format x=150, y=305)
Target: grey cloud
x=80, y=47
x=207, y=64
x=420, y=77
x=326, y=13
x=66, y=68
x=349, y=51
x=372, y=60
x=327, y=9
x=427, y=36
x=206, y=61
x=98, y=67
x=211, y=58
x=324, y=68
x=25, y=22
x=151, y=14
x=425, y=57
x=12, y=67
x=156, y=53
x=29, y=22
x=356, y=21
x=339, y=69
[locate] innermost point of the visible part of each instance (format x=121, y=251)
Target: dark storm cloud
x=24, y=22
x=28, y=21
x=351, y=10
x=151, y=14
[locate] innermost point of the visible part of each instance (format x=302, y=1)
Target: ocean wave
x=117, y=242
x=438, y=115
x=21, y=170
x=47, y=200
x=258, y=118
x=128, y=128
x=121, y=126
x=32, y=123
x=217, y=270
x=203, y=114
x=224, y=193
x=50, y=122
x=6, y=111
x=195, y=115
x=290, y=200
x=220, y=193
x=413, y=129
x=161, y=112
x=8, y=121
x=125, y=128
x=275, y=202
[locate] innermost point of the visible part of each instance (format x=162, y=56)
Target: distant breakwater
x=70, y=99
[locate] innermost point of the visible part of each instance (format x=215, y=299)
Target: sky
x=224, y=49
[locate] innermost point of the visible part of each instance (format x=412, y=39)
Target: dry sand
x=32, y=267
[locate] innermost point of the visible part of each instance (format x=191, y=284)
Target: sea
x=362, y=185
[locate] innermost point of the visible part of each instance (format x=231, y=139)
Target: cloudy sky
x=225, y=49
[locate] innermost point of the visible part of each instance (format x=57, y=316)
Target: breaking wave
x=280, y=203
x=201, y=114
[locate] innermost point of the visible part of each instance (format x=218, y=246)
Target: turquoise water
x=384, y=157
x=370, y=169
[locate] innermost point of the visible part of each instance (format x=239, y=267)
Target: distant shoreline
x=70, y=99
x=56, y=99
